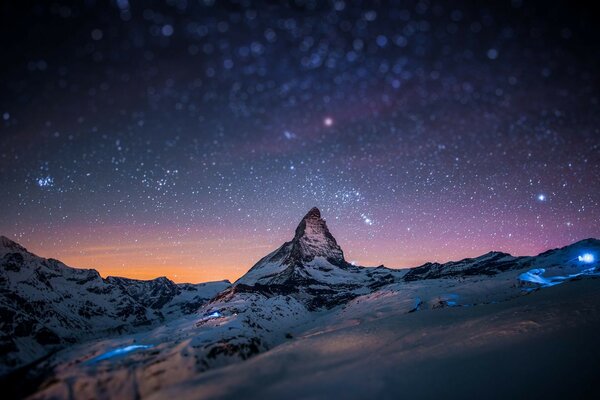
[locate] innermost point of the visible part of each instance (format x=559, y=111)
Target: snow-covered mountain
x=312, y=249
x=46, y=305
x=303, y=319
x=313, y=268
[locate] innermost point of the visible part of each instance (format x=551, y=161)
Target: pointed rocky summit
x=313, y=239
x=312, y=246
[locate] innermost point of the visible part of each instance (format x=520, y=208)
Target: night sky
x=188, y=138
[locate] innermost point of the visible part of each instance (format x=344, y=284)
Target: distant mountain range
x=46, y=305
x=132, y=338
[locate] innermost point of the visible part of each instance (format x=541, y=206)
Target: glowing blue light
x=536, y=276
x=213, y=315
x=417, y=306
x=119, y=352
x=451, y=299
x=586, y=258
x=541, y=197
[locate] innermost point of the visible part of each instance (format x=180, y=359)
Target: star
x=367, y=220
x=289, y=135
x=46, y=181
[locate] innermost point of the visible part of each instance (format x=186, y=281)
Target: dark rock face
x=12, y=261
x=243, y=350
x=45, y=336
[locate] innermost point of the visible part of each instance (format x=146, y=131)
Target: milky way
x=188, y=138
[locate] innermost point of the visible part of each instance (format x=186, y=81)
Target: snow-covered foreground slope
x=304, y=323
x=543, y=345
x=458, y=336
x=46, y=305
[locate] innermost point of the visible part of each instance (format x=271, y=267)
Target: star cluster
x=187, y=138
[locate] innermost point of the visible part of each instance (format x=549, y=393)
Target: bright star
x=541, y=197
x=289, y=135
x=586, y=258
x=328, y=121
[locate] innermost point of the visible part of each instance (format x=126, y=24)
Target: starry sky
x=188, y=138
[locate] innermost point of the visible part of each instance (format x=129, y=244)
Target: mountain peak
x=312, y=224
x=314, y=213
x=291, y=262
x=313, y=239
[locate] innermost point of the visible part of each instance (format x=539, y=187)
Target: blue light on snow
x=537, y=276
x=451, y=299
x=586, y=258
x=417, y=306
x=119, y=352
x=214, y=314
x=418, y=303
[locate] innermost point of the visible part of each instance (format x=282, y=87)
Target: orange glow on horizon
x=182, y=263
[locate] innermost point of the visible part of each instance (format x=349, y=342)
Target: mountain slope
x=539, y=346
x=46, y=305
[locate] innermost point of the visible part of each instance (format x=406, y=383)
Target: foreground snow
x=418, y=337
x=543, y=345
